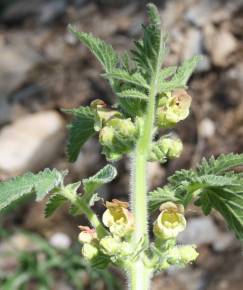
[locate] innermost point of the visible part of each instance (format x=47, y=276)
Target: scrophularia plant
x=149, y=98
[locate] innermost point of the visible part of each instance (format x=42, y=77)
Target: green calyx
x=89, y=251
x=102, y=113
x=167, y=147
x=118, y=137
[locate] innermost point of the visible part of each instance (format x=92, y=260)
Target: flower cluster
x=167, y=226
x=115, y=245
x=117, y=134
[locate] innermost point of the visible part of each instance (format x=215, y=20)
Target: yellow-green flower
x=87, y=235
x=118, y=218
x=173, y=109
x=170, y=222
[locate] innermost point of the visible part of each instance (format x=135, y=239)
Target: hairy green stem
x=92, y=217
x=82, y=206
x=139, y=275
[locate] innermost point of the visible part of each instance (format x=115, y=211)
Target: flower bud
x=171, y=146
x=106, y=136
x=188, y=253
x=87, y=235
x=109, y=246
x=103, y=113
x=175, y=109
x=117, y=137
x=166, y=147
x=181, y=255
x=118, y=218
x=170, y=221
x=125, y=127
x=89, y=251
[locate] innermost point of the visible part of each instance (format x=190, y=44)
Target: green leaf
x=74, y=210
x=126, y=62
x=122, y=75
x=80, y=130
x=213, y=186
x=229, y=202
x=103, y=51
x=166, y=73
x=217, y=181
x=63, y=194
x=54, y=202
x=105, y=175
x=132, y=93
x=132, y=107
x=221, y=164
x=39, y=184
x=149, y=52
x=95, y=198
x=153, y=15
x=180, y=78
x=160, y=195
x=185, y=70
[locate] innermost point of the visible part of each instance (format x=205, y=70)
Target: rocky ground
x=44, y=68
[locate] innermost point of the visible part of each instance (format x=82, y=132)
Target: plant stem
x=139, y=274
x=139, y=277
x=92, y=217
x=82, y=207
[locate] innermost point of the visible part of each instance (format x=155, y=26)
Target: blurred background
x=44, y=68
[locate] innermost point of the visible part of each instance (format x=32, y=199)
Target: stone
x=202, y=230
x=192, y=43
x=220, y=44
x=52, y=11
x=44, y=11
x=206, y=128
x=60, y=240
x=31, y=142
x=87, y=159
x=201, y=12
x=5, y=112
x=17, y=58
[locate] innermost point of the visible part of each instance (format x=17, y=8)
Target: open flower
x=118, y=218
x=173, y=109
x=170, y=222
x=87, y=235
